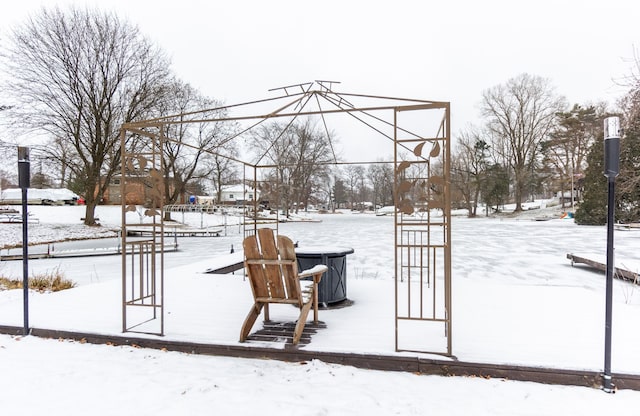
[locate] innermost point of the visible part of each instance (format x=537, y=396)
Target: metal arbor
x=416, y=131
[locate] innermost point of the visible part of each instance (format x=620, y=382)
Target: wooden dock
x=175, y=231
x=627, y=227
x=228, y=263
x=617, y=272
x=88, y=252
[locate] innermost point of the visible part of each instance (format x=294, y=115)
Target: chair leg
x=254, y=312
x=302, y=320
x=316, y=280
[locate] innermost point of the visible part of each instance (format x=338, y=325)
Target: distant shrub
x=51, y=281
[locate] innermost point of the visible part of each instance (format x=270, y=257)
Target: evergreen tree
x=495, y=189
x=593, y=208
x=628, y=182
x=566, y=150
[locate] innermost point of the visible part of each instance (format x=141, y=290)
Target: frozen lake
x=482, y=248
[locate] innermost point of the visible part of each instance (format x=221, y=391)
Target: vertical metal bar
x=435, y=282
x=134, y=247
x=255, y=221
x=421, y=267
x=447, y=219
x=395, y=218
x=141, y=274
x=408, y=248
x=156, y=161
x=608, y=385
x=148, y=273
x=162, y=200
x=25, y=262
x=123, y=228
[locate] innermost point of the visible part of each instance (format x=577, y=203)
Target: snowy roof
x=53, y=194
x=237, y=188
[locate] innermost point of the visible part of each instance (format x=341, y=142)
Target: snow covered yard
x=516, y=300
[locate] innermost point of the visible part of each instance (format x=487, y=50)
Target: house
x=138, y=191
x=238, y=195
x=49, y=196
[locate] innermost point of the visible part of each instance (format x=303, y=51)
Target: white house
x=50, y=196
x=238, y=195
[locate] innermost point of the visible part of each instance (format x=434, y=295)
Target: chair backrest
x=272, y=267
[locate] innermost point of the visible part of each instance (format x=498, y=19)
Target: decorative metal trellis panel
x=423, y=239
x=143, y=257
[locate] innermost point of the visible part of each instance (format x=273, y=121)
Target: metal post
x=24, y=180
x=611, y=169
x=608, y=385
x=25, y=262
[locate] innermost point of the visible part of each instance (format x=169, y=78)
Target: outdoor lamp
x=24, y=180
x=611, y=170
x=611, y=147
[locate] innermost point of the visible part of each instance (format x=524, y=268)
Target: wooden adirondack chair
x=273, y=274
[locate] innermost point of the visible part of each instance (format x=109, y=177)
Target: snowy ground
x=517, y=300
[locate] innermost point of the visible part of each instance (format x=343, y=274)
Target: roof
x=52, y=194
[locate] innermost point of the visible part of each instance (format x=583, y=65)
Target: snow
x=516, y=300
x=52, y=195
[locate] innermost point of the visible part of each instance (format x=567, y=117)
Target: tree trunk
x=519, y=191
x=91, y=199
x=518, y=196
x=89, y=213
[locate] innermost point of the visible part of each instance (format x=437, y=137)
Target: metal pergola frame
x=422, y=181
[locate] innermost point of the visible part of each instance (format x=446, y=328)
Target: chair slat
x=272, y=271
x=255, y=271
x=289, y=270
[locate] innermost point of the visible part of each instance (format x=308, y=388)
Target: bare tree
x=521, y=114
x=191, y=146
x=354, y=182
x=311, y=152
x=630, y=103
x=272, y=142
x=299, y=152
x=223, y=170
x=469, y=165
x=60, y=154
x=8, y=179
x=381, y=178
x=78, y=75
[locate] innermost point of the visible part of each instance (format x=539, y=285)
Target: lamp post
x=611, y=170
x=24, y=180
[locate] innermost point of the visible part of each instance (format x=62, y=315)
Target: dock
x=227, y=263
x=174, y=231
x=48, y=251
x=634, y=226
x=618, y=272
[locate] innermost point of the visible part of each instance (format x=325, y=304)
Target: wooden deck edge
x=365, y=361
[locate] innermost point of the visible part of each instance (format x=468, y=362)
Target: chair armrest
x=318, y=269
x=269, y=262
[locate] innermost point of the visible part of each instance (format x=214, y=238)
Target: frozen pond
x=482, y=248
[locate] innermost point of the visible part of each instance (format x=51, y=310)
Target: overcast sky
x=235, y=51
